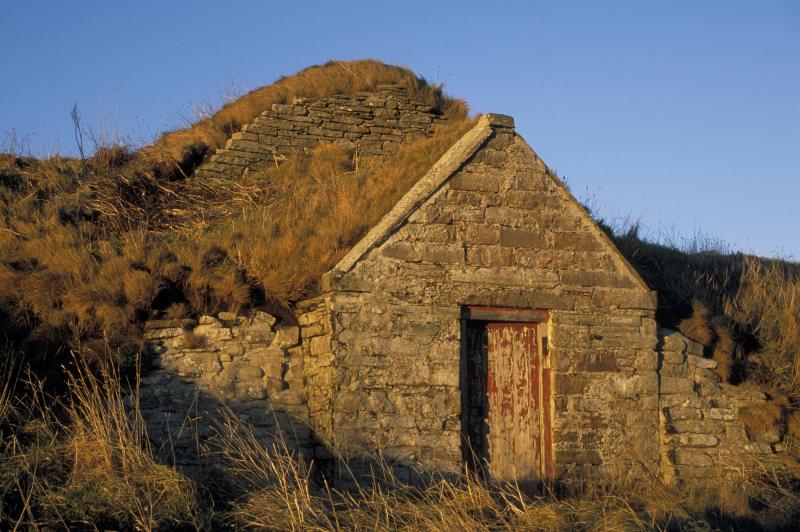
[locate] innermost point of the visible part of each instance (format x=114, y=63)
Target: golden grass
x=89, y=250
x=322, y=206
x=767, y=302
x=714, y=333
x=91, y=465
x=177, y=149
x=276, y=491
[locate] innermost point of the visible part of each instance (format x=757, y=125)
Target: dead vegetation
x=89, y=249
x=84, y=460
x=90, y=464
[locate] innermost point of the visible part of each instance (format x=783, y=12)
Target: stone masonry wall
x=315, y=319
x=248, y=364
x=377, y=122
x=702, y=435
x=501, y=232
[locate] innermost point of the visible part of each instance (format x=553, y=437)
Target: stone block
x=400, y=251
x=681, y=412
x=490, y=256
x=441, y=253
x=474, y=182
x=720, y=414
x=578, y=457
x=576, y=241
x=481, y=234
x=596, y=361
x=320, y=345
x=634, y=385
x=568, y=384
x=695, y=426
x=700, y=362
x=213, y=332
x=646, y=360
x=624, y=299
x=161, y=334
x=287, y=336
x=677, y=385
x=522, y=238
x=690, y=457
x=673, y=357
x=504, y=216
x=698, y=440
x=579, y=277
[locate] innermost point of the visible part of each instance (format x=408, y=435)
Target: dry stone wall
x=377, y=122
x=200, y=368
x=703, y=437
x=501, y=232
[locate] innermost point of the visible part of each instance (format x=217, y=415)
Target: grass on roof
x=181, y=150
x=90, y=250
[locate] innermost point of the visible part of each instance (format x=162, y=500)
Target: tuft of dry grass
x=767, y=303
x=765, y=422
x=178, y=151
x=276, y=491
x=91, y=465
x=322, y=205
x=698, y=326
x=714, y=333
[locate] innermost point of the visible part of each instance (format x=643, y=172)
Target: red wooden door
x=515, y=404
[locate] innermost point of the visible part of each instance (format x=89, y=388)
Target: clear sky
x=683, y=114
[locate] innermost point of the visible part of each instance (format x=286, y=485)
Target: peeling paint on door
x=508, y=399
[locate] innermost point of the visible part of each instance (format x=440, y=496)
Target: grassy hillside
x=90, y=249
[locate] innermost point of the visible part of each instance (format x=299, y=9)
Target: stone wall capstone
x=377, y=122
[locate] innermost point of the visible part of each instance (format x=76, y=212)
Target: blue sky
x=684, y=115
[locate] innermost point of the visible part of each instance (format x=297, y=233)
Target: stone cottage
x=486, y=321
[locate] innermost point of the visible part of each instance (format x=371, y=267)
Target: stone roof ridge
x=423, y=189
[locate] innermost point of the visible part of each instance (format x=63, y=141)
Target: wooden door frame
x=540, y=319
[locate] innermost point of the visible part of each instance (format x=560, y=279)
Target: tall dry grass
x=91, y=249
x=86, y=461
x=322, y=205
x=767, y=302
x=277, y=491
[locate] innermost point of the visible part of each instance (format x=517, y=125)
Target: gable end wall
x=501, y=232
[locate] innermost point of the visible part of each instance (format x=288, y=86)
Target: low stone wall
x=247, y=364
x=281, y=380
x=702, y=434
x=377, y=122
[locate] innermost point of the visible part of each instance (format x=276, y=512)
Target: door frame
x=540, y=319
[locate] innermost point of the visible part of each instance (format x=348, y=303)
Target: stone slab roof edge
x=441, y=170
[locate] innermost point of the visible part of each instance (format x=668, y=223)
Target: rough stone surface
x=702, y=435
x=377, y=122
x=201, y=369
